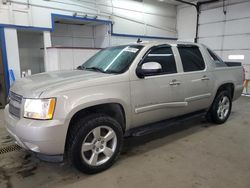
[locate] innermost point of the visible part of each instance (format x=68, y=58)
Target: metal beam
x=186, y=2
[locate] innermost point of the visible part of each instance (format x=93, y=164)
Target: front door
x=158, y=96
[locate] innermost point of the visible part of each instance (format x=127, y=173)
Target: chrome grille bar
x=15, y=104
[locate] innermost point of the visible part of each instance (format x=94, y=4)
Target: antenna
x=139, y=40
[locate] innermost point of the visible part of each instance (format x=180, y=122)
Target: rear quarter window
x=216, y=59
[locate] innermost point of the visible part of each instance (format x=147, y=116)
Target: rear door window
x=191, y=58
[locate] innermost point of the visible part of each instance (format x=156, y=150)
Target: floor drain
x=9, y=148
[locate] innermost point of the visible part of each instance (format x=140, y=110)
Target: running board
x=159, y=126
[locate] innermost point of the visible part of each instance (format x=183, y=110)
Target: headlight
x=39, y=108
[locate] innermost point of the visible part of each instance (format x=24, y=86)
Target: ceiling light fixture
x=236, y=57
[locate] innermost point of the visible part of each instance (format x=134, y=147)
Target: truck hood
x=33, y=86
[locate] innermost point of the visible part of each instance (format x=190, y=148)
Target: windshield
x=112, y=60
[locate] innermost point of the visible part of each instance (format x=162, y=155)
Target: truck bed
x=232, y=64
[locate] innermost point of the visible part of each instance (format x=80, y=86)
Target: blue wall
x=4, y=60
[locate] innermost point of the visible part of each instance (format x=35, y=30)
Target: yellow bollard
x=245, y=84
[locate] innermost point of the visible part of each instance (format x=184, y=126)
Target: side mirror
x=148, y=69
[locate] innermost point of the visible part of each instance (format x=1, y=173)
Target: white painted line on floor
x=245, y=94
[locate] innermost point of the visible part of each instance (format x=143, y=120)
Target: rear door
x=196, y=77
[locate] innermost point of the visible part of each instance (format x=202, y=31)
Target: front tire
x=95, y=143
x=221, y=108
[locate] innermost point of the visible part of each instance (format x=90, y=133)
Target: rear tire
x=221, y=108
x=95, y=143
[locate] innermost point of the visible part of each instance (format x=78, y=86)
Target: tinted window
x=214, y=56
x=165, y=57
x=191, y=58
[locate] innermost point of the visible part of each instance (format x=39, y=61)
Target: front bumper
x=41, y=136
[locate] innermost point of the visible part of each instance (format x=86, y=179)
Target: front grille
x=16, y=97
x=15, y=104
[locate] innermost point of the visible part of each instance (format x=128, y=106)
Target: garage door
x=225, y=28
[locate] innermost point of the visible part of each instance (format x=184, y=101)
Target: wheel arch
x=114, y=110
x=226, y=86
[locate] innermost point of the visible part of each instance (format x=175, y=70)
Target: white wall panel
x=101, y=30
x=122, y=40
x=52, y=60
x=41, y=17
x=240, y=10
x=237, y=42
x=159, y=8
x=151, y=31
x=21, y=18
x=206, y=30
x=210, y=16
x=133, y=15
x=128, y=27
x=46, y=43
x=214, y=43
x=61, y=41
x=101, y=36
x=62, y=30
x=237, y=26
x=67, y=35
x=166, y=23
x=186, y=23
x=81, y=31
x=12, y=51
x=4, y=16
x=67, y=59
x=83, y=42
x=31, y=52
x=102, y=42
x=129, y=5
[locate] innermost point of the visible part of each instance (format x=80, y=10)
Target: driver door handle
x=174, y=82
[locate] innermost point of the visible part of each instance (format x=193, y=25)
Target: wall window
x=191, y=58
x=163, y=56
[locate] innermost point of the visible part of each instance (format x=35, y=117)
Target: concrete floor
x=195, y=154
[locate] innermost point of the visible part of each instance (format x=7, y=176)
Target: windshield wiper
x=95, y=69
x=80, y=67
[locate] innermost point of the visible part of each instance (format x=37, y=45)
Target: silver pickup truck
x=84, y=114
